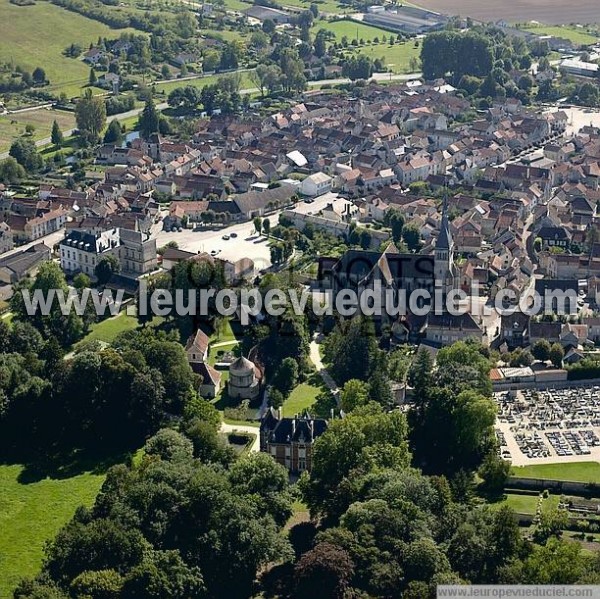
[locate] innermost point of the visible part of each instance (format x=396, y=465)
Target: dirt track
x=553, y=12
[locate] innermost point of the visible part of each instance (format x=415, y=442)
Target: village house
x=290, y=441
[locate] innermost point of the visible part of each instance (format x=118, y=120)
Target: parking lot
x=242, y=242
x=547, y=426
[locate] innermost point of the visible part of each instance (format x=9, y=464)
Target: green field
x=575, y=34
x=13, y=126
x=109, y=329
x=31, y=514
x=201, y=82
x=396, y=57
x=522, y=504
x=36, y=35
x=584, y=472
x=352, y=30
x=324, y=6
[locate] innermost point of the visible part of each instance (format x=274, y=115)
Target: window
x=301, y=464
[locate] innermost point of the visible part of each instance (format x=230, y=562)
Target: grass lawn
x=109, y=329
x=522, y=504
x=575, y=34
x=324, y=6
x=352, y=30
x=201, y=82
x=301, y=398
x=31, y=514
x=36, y=35
x=224, y=334
x=13, y=125
x=396, y=57
x=575, y=471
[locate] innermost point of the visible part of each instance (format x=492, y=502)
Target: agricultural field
x=351, y=29
x=584, y=472
x=553, y=12
x=36, y=35
x=31, y=513
x=13, y=125
x=576, y=34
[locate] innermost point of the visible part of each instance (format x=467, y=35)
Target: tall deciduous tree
x=90, y=113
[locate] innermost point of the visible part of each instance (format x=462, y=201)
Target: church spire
x=444, y=240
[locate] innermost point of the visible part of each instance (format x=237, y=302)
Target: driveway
x=315, y=358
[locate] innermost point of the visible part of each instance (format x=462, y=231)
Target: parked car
x=225, y=237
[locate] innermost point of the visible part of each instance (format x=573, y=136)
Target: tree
x=39, y=76
x=276, y=397
x=24, y=151
x=456, y=53
x=351, y=350
x=556, y=355
x=90, y=113
x=412, y=237
x=11, y=171
x=494, y=471
x=286, y=376
x=395, y=220
x=325, y=571
x=93, y=79
x=552, y=522
x=56, y=136
x=541, y=350
x=293, y=68
x=188, y=97
x=266, y=225
x=106, y=268
x=268, y=26
x=149, y=119
x=82, y=281
x=169, y=445
x=266, y=78
x=114, y=133
x=257, y=224
x=358, y=67
x=354, y=393
x=320, y=43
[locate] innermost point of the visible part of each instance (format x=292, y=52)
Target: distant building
x=244, y=379
x=196, y=348
x=15, y=267
x=135, y=251
x=265, y=13
x=404, y=19
x=579, y=68
x=210, y=380
x=290, y=440
x=6, y=238
x=316, y=185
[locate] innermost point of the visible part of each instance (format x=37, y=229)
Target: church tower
x=444, y=269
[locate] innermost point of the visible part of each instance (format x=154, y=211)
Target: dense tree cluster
x=173, y=527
